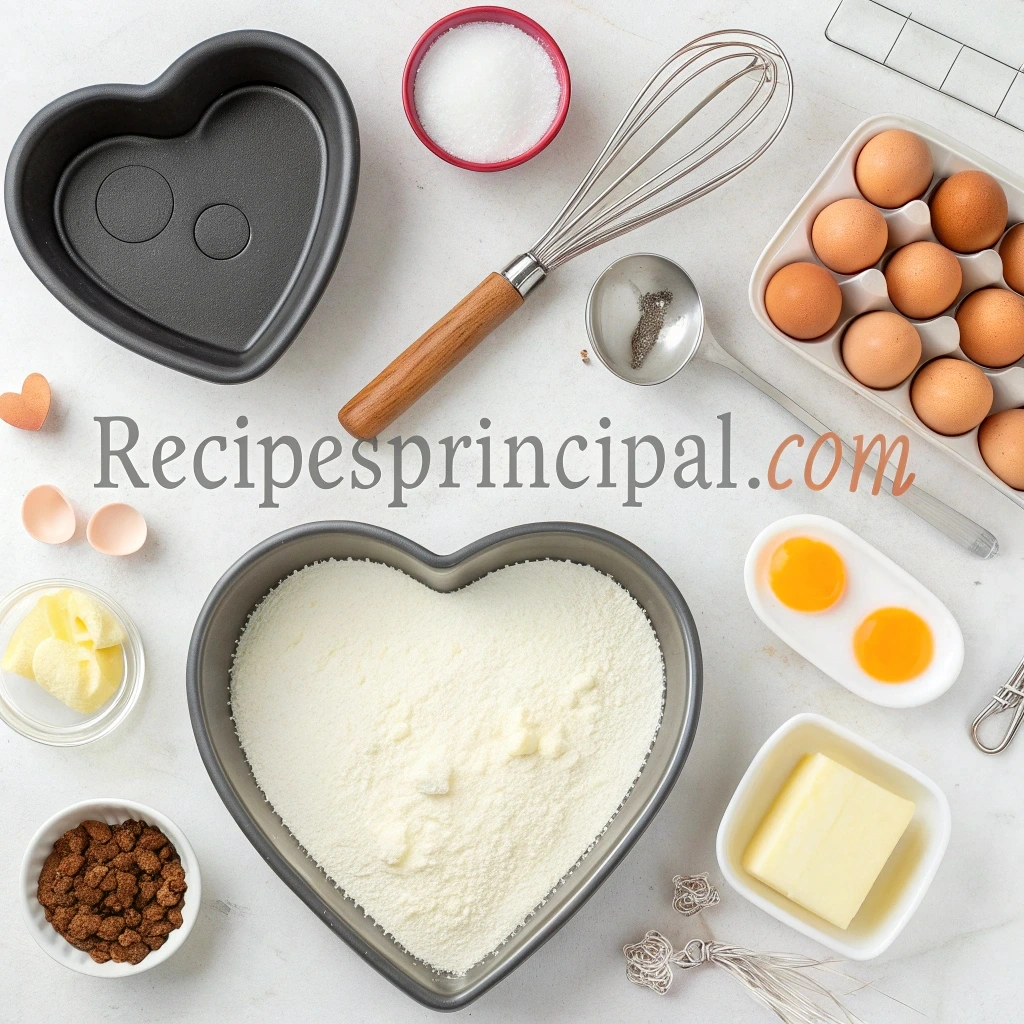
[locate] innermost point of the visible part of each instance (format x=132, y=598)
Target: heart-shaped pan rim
x=242, y=587
x=174, y=103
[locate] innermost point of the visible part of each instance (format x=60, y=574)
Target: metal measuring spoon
x=612, y=316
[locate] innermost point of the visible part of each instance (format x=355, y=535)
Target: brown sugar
x=113, y=891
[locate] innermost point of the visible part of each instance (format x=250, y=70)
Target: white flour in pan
x=447, y=758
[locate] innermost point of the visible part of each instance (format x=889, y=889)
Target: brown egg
x=992, y=326
x=1012, y=253
x=923, y=279
x=849, y=235
x=1001, y=440
x=881, y=349
x=951, y=395
x=893, y=168
x=969, y=211
x=803, y=300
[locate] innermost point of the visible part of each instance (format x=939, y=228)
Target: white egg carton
x=867, y=290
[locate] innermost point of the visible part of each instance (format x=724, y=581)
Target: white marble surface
x=422, y=234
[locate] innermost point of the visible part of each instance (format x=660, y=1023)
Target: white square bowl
x=907, y=874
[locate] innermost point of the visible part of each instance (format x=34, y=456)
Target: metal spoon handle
x=966, y=532
x=953, y=524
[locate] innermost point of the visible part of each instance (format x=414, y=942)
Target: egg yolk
x=893, y=645
x=806, y=575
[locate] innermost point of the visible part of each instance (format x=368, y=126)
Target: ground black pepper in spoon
x=649, y=327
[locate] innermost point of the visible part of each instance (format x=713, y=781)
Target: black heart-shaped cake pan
x=195, y=220
x=247, y=582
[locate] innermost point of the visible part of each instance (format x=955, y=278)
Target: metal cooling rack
x=909, y=47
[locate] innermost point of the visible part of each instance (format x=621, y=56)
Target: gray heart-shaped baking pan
x=195, y=220
x=244, y=585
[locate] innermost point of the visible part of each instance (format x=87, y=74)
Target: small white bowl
x=112, y=812
x=907, y=874
x=873, y=581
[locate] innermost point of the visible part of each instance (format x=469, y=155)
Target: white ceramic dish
x=867, y=290
x=908, y=873
x=873, y=581
x=28, y=709
x=112, y=812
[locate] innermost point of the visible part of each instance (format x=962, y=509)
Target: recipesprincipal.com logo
x=403, y=464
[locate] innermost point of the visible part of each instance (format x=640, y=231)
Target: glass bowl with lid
x=31, y=710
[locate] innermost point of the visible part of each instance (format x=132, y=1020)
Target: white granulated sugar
x=486, y=92
x=447, y=758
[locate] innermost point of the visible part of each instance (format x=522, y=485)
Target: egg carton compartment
x=866, y=291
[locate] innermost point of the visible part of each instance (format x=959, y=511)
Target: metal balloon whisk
x=742, y=76
x=703, y=117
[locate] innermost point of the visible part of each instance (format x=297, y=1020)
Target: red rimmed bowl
x=481, y=14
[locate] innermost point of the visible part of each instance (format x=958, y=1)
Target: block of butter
x=71, y=645
x=826, y=838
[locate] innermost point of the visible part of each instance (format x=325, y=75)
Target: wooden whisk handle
x=430, y=357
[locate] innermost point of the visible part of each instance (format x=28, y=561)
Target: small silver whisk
x=1009, y=697
x=722, y=100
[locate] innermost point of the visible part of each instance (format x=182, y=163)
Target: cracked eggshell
x=117, y=529
x=47, y=515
